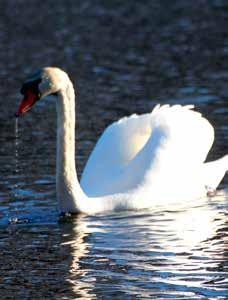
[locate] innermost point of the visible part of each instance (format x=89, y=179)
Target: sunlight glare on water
x=153, y=253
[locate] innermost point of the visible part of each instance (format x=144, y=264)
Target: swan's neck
x=70, y=196
x=69, y=192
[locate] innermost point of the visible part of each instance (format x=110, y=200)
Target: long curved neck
x=68, y=190
x=70, y=196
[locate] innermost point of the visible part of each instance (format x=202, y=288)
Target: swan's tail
x=215, y=171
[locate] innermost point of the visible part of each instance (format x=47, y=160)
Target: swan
x=138, y=162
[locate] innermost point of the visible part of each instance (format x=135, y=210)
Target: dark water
x=123, y=57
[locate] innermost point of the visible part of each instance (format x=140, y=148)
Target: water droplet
x=16, y=161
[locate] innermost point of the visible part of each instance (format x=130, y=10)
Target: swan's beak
x=27, y=102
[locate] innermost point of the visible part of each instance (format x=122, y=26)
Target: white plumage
x=138, y=161
x=171, y=139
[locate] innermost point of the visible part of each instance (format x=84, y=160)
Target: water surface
x=123, y=58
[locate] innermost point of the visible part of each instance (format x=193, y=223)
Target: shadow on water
x=124, y=57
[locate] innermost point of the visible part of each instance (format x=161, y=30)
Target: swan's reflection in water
x=80, y=248
x=177, y=252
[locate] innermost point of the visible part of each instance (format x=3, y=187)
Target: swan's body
x=138, y=161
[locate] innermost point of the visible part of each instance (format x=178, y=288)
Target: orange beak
x=27, y=102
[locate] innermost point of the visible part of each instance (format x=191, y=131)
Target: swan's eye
x=33, y=86
x=31, y=93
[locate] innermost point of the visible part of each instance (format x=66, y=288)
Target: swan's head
x=40, y=84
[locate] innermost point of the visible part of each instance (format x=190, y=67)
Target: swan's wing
x=119, y=144
x=172, y=160
x=156, y=146
x=180, y=134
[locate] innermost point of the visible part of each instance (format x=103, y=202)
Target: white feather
x=138, y=162
x=174, y=138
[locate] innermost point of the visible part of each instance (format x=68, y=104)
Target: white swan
x=138, y=161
